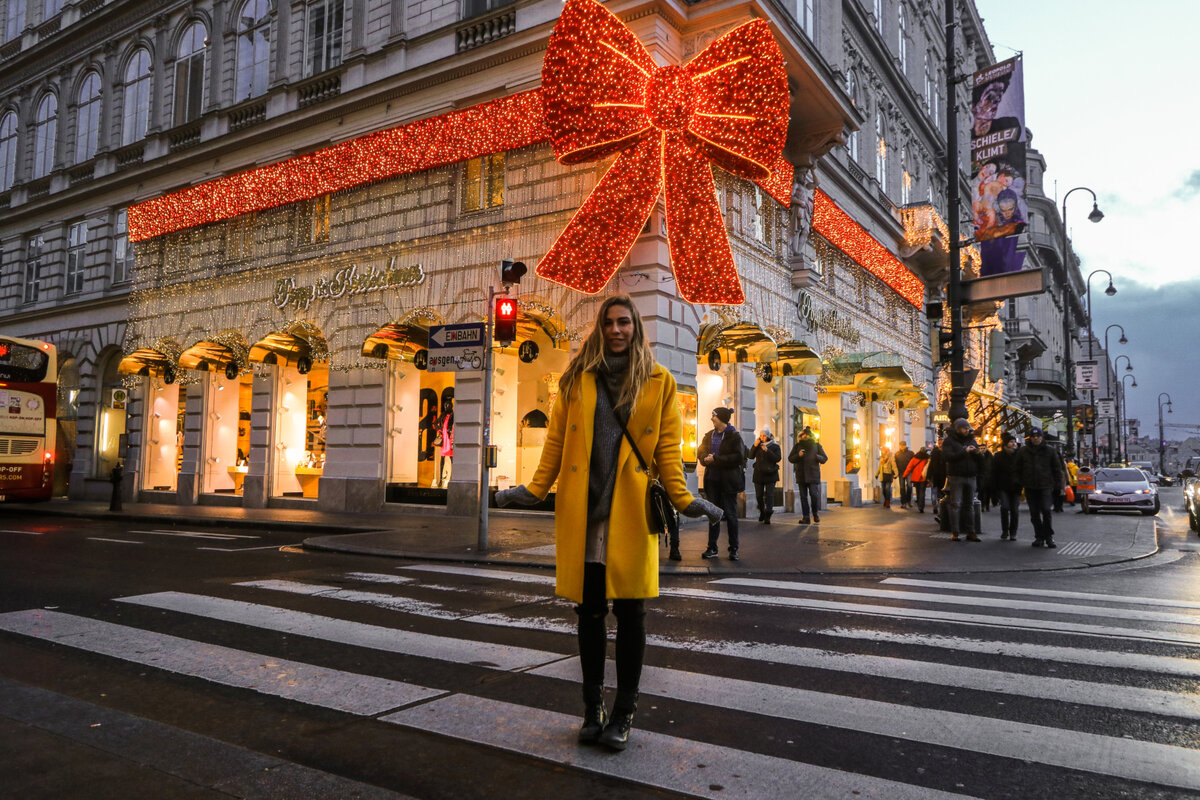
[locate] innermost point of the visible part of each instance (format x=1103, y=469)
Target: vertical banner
x=998, y=164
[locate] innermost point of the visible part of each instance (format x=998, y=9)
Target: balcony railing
x=1048, y=377
x=248, y=115
x=318, y=89
x=183, y=137
x=482, y=31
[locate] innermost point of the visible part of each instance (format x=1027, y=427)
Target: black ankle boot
x=616, y=732
x=594, y=714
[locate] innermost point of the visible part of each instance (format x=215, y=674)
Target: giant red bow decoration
x=603, y=94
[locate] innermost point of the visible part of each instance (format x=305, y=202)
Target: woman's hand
x=518, y=494
x=702, y=508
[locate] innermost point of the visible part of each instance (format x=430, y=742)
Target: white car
x=1125, y=488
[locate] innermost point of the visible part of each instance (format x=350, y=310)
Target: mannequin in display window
x=444, y=438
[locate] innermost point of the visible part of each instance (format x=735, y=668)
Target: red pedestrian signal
x=506, y=320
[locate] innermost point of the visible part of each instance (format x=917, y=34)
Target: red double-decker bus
x=28, y=417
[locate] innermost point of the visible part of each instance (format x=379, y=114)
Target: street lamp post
x=1108, y=386
x=958, y=387
x=1110, y=291
x=1120, y=387
x=1123, y=427
x=1162, y=443
x=1095, y=216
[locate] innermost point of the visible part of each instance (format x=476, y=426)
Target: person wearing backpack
x=916, y=472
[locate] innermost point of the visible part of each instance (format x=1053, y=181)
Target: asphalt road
x=145, y=661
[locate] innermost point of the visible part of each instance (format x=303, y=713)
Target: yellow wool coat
x=657, y=427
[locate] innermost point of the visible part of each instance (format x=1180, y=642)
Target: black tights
x=593, y=637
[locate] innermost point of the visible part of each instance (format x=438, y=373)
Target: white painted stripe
x=119, y=541
x=291, y=680
x=246, y=549
x=357, y=634
x=1104, y=755
x=933, y=615
x=391, y=602
x=678, y=765
x=27, y=533
x=1079, y=549
x=1106, y=598
x=1017, y=623
x=1166, y=665
x=544, y=550
x=199, y=535
x=378, y=577
x=1135, y=614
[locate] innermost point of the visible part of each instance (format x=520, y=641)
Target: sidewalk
x=868, y=540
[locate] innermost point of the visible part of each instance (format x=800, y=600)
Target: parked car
x=1126, y=489
x=1191, y=500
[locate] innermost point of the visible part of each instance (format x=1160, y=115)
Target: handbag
x=660, y=512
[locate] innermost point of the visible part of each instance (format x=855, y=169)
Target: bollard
x=114, y=504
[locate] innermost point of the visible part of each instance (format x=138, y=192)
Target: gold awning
x=396, y=341
x=797, y=358
x=879, y=375
x=739, y=343
x=145, y=361
x=207, y=356
x=281, y=348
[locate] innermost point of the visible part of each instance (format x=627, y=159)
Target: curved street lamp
x=1108, y=386
x=1110, y=291
x=1123, y=428
x=1095, y=216
x=1162, y=443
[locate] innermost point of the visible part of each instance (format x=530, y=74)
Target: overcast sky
x=1111, y=101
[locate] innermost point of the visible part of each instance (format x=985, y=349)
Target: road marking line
x=1089, y=752
x=198, y=534
x=291, y=680
x=1017, y=623
x=356, y=634
x=119, y=541
x=983, y=587
x=1135, y=614
x=27, y=533
x=390, y=602
x=654, y=759
x=1084, y=549
x=243, y=549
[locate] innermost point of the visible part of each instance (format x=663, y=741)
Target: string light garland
x=604, y=94
x=836, y=226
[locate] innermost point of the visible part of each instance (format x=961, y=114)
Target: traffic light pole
x=485, y=438
x=958, y=387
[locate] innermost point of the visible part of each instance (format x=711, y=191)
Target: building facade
x=275, y=357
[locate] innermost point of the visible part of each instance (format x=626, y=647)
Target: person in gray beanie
x=963, y=461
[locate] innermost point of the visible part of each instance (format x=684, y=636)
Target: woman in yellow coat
x=603, y=544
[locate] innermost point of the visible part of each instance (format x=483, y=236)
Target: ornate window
x=852, y=90
x=880, y=150
x=14, y=23
x=253, y=49
x=87, y=118
x=902, y=45
x=51, y=8
x=806, y=16
x=483, y=183
x=33, y=268
x=906, y=178
x=877, y=9
x=325, y=21
x=122, y=249
x=135, y=116
x=8, y=151
x=189, y=73
x=45, y=134
x=76, y=250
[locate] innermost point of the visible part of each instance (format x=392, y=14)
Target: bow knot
x=604, y=94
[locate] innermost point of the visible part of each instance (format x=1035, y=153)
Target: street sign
x=1106, y=408
x=456, y=348
x=1087, y=375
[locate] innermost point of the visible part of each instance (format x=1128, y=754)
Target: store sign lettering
x=346, y=281
x=825, y=319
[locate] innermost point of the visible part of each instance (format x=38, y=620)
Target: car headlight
x=1145, y=491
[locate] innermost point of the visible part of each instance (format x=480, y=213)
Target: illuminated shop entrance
x=298, y=407
x=166, y=406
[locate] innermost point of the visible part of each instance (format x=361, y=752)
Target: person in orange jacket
x=915, y=472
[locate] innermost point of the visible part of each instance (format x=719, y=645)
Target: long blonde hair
x=591, y=355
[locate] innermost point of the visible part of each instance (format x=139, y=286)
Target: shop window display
x=687, y=408
x=227, y=448
x=110, y=418
x=302, y=408
x=852, y=441
x=422, y=414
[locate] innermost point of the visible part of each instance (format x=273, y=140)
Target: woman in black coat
x=766, y=455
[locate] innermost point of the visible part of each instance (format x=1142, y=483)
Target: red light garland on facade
x=852, y=239
x=603, y=94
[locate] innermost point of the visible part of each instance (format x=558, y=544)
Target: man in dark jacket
x=723, y=455
x=808, y=456
x=963, y=461
x=766, y=455
x=1006, y=484
x=903, y=456
x=1042, y=475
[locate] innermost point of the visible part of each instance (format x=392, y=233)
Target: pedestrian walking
x=915, y=472
x=963, y=460
x=885, y=473
x=767, y=455
x=1006, y=482
x=903, y=457
x=723, y=454
x=936, y=476
x=1072, y=480
x=1043, y=477
x=612, y=395
x=807, y=455
x=985, y=479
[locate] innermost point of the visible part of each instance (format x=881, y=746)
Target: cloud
x=1191, y=186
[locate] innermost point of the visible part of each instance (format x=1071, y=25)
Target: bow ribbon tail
x=606, y=226
x=700, y=254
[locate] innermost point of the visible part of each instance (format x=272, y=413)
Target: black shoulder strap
x=612, y=406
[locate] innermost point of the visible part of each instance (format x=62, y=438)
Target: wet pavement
x=867, y=540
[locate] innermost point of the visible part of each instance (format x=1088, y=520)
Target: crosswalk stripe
x=1135, y=614
x=1079, y=548
x=118, y=541
x=933, y=615
x=1088, y=752
x=357, y=634
x=668, y=762
x=291, y=680
x=27, y=533
x=1129, y=698
x=1020, y=590
x=198, y=534
x=390, y=602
